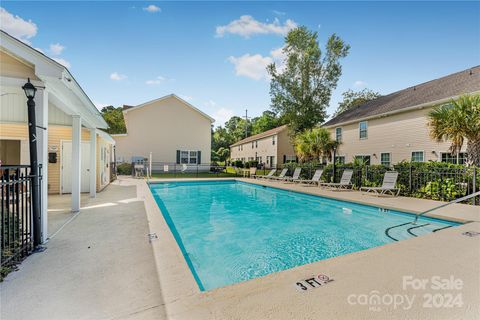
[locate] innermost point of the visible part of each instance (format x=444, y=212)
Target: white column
x=76, y=162
x=93, y=163
x=41, y=102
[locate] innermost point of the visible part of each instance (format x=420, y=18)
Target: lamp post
x=32, y=137
x=334, y=162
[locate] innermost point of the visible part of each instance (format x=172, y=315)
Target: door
x=67, y=167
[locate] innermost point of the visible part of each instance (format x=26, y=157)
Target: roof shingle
x=264, y=134
x=466, y=81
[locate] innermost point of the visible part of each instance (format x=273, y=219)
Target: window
x=273, y=140
x=260, y=159
x=253, y=143
x=183, y=157
x=363, y=128
x=290, y=159
x=238, y=148
x=256, y=144
x=188, y=157
x=385, y=159
x=460, y=158
x=338, y=134
x=365, y=159
x=417, y=156
x=193, y=157
x=340, y=159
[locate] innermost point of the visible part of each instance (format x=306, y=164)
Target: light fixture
x=29, y=89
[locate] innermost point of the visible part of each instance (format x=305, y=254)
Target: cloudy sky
x=214, y=54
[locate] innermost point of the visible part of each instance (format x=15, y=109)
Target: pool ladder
x=414, y=223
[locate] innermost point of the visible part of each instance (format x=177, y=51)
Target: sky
x=213, y=54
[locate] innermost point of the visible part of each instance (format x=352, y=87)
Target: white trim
x=105, y=136
x=390, y=153
x=119, y=135
x=386, y=114
x=359, y=130
x=170, y=96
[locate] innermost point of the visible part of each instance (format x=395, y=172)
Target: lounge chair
x=252, y=173
x=388, y=185
x=345, y=181
x=314, y=180
x=295, y=176
x=281, y=176
x=270, y=174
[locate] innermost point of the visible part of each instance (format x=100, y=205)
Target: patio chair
x=269, y=175
x=345, y=181
x=252, y=173
x=388, y=185
x=295, y=175
x=281, y=176
x=314, y=180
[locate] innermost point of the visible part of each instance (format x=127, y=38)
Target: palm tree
x=313, y=144
x=458, y=121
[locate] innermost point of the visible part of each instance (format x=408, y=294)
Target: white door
x=67, y=167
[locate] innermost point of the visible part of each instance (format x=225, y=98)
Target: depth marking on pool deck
x=313, y=282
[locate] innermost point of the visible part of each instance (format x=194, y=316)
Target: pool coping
x=182, y=296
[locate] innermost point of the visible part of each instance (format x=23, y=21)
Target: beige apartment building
x=394, y=127
x=270, y=148
x=169, y=129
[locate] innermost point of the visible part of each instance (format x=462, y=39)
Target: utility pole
x=246, y=123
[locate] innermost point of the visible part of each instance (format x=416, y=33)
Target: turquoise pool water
x=233, y=231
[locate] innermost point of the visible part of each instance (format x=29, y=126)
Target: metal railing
x=16, y=227
x=473, y=195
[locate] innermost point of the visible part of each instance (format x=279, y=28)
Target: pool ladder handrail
x=472, y=195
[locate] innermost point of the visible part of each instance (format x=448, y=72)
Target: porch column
x=41, y=101
x=93, y=163
x=76, y=161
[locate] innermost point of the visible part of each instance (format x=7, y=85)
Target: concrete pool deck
x=446, y=255
x=101, y=266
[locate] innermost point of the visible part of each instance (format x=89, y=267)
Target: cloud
x=359, y=84
x=56, y=49
x=156, y=81
x=251, y=66
x=210, y=104
x=152, y=8
x=17, y=27
x=117, y=76
x=255, y=66
x=100, y=105
x=63, y=62
x=247, y=26
x=222, y=115
x=279, y=13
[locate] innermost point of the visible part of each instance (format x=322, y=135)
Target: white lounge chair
x=281, y=176
x=345, y=181
x=295, y=176
x=388, y=185
x=270, y=174
x=314, y=180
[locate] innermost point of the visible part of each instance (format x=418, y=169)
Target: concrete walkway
x=98, y=266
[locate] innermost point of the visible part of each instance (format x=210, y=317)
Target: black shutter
x=199, y=157
x=284, y=158
x=178, y=156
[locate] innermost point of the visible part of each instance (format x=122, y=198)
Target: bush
x=237, y=163
x=124, y=169
x=251, y=164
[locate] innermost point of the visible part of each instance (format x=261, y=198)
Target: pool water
x=231, y=231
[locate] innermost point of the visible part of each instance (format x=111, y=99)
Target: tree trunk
x=473, y=152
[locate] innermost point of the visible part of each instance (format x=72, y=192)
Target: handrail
x=472, y=195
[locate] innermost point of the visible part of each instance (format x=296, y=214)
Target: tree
x=268, y=120
x=114, y=118
x=457, y=121
x=352, y=99
x=312, y=144
x=301, y=92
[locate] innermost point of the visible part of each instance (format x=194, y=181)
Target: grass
x=228, y=173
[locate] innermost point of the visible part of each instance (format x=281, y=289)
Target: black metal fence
x=16, y=227
x=429, y=182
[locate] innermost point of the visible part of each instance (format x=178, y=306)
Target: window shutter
x=199, y=157
x=178, y=156
x=284, y=158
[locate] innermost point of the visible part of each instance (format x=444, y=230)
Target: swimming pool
x=232, y=231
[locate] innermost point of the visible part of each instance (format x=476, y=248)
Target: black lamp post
x=334, y=162
x=32, y=134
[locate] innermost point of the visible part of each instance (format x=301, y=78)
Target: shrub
x=124, y=169
x=238, y=163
